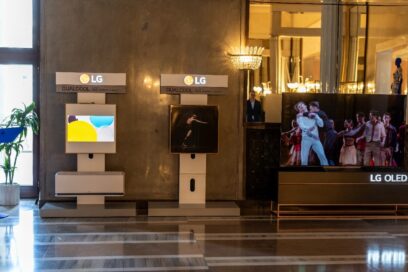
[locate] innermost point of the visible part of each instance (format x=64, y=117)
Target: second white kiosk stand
x=193, y=167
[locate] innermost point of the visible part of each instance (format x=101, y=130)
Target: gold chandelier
x=250, y=58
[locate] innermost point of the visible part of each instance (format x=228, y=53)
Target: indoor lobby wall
x=387, y=32
x=144, y=39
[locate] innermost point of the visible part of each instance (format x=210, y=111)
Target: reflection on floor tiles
x=111, y=238
x=118, y=263
x=29, y=243
x=291, y=236
x=285, y=260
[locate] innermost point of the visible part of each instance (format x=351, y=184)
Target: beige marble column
x=274, y=51
x=330, y=46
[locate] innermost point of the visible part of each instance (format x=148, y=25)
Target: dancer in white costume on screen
x=310, y=134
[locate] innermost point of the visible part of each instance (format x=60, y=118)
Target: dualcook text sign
x=193, y=84
x=389, y=178
x=68, y=82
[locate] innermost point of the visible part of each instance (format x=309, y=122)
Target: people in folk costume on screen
x=293, y=138
x=390, y=142
x=360, y=141
x=313, y=139
x=348, y=152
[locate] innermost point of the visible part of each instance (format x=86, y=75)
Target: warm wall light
x=150, y=83
x=264, y=89
x=257, y=89
x=357, y=87
x=305, y=86
x=250, y=58
x=293, y=85
x=147, y=82
x=370, y=87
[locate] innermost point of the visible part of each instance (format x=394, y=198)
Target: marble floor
x=247, y=243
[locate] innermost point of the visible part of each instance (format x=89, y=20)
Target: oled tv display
x=342, y=130
x=193, y=129
x=90, y=128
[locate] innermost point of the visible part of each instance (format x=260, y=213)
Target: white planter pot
x=9, y=194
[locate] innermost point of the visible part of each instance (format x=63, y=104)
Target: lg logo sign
x=398, y=178
x=96, y=79
x=195, y=80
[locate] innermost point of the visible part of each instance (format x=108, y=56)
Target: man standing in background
x=253, y=108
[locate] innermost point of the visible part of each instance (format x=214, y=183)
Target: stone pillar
x=274, y=64
x=274, y=52
x=330, y=49
x=349, y=54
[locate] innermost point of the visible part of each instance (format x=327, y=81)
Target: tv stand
x=90, y=184
x=192, y=183
x=348, y=191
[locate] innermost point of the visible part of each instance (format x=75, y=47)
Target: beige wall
x=143, y=38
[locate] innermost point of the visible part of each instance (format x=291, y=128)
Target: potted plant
x=25, y=119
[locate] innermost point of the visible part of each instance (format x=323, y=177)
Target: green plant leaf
x=24, y=117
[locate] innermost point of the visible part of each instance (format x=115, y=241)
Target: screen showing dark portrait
x=193, y=129
x=342, y=130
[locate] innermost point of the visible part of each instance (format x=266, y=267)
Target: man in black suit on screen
x=253, y=108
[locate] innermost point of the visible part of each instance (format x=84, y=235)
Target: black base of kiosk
x=329, y=191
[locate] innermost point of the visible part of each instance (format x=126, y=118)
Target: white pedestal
x=96, y=163
x=192, y=183
x=90, y=184
x=192, y=189
x=192, y=179
x=69, y=209
x=90, y=189
x=210, y=209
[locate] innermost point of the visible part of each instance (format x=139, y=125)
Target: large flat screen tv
x=90, y=128
x=347, y=130
x=193, y=129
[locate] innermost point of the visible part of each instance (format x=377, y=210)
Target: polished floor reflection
x=248, y=243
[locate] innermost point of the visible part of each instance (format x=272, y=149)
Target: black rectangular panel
x=339, y=188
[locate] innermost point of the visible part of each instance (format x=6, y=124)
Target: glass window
x=320, y=47
x=16, y=23
x=387, y=42
x=19, y=21
x=291, y=35
x=16, y=89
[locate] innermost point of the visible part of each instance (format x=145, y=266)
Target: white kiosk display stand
x=90, y=184
x=193, y=167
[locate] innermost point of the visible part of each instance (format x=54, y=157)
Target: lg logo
x=196, y=80
x=399, y=178
x=85, y=78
